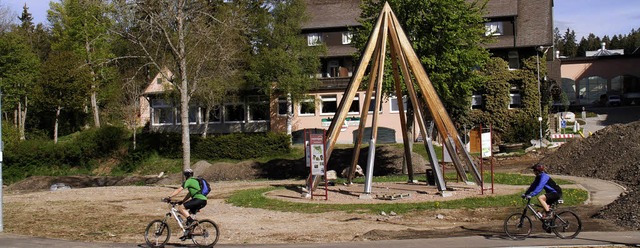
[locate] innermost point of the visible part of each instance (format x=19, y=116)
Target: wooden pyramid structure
x=406, y=64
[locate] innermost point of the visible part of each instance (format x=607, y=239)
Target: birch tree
x=174, y=34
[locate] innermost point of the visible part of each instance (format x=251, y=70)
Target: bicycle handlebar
x=168, y=200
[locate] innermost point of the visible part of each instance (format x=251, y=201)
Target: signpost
x=316, y=155
x=485, y=152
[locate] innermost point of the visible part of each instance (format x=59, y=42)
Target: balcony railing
x=335, y=83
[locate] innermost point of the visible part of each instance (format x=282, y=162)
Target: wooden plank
x=363, y=115
x=402, y=114
x=352, y=89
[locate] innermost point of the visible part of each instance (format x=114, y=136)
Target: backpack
x=205, y=188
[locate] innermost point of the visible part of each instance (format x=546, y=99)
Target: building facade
x=521, y=29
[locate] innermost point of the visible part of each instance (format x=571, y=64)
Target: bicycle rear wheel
x=205, y=234
x=157, y=233
x=518, y=226
x=566, y=225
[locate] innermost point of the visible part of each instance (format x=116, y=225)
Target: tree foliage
x=19, y=70
x=447, y=37
x=569, y=47
x=66, y=87
x=282, y=60
x=83, y=27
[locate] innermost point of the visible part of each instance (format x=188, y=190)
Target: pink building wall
x=387, y=119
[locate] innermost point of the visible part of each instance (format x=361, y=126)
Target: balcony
x=334, y=83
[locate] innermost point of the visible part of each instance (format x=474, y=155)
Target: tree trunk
x=22, y=116
x=94, y=106
x=206, y=122
x=55, y=126
x=410, y=127
x=184, y=88
x=289, y=115
x=134, y=137
x=94, y=100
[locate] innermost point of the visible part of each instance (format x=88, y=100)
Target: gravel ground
x=612, y=153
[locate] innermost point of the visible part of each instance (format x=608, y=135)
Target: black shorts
x=194, y=205
x=552, y=197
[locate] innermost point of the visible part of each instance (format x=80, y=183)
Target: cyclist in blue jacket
x=553, y=192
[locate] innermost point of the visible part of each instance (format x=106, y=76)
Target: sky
x=600, y=17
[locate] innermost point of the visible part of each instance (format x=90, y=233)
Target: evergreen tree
x=570, y=47
x=558, y=42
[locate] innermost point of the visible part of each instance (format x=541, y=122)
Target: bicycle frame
x=529, y=207
x=176, y=215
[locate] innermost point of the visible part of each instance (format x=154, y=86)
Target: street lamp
x=543, y=50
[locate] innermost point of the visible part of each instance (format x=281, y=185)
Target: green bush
x=80, y=152
x=169, y=145
x=242, y=146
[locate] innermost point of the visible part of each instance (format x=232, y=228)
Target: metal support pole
x=540, y=96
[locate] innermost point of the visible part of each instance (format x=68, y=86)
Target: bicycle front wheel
x=566, y=225
x=205, y=234
x=518, y=226
x=157, y=233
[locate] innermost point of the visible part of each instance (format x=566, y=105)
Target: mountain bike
x=203, y=233
x=565, y=224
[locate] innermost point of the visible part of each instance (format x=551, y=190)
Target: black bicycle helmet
x=187, y=173
x=538, y=167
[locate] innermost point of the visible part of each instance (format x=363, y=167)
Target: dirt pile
x=612, y=153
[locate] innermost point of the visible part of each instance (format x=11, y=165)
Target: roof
x=533, y=20
x=154, y=88
x=332, y=13
x=497, y=8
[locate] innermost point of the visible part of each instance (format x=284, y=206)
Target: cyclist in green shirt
x=198, y=200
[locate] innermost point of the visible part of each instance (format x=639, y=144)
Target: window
x=514, y=60
x=314, y=39
x=393, y=101
x=258, y=108
x=333, y=68
x=163, y=112
x=514, y=100
x=476, y=101
x=373, y=103
x=307, y=107
x=163, y=116
x=234, y=112
x=493, y=29
x=159, y=80
x=282, y=106
x=346, y=37
x=355, y=105
x=329, y=104
x=194, y=114
x=214, y=114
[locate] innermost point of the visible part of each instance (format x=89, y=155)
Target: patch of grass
x=255, y=198
x=499, y=178
x=156, y=163
x=418, y=147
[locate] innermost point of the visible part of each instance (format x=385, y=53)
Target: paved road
x=589, y=239
x=609, y=116
x=601, y=193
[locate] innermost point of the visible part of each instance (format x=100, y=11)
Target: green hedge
x=79, y=152
x=241, y=146
x=82, y=152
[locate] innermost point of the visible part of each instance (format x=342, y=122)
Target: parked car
x=631, y=98
x=614, y=100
